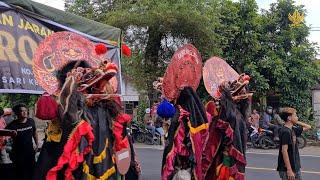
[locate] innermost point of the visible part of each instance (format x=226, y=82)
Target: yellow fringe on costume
x=102, y=155
x=197, y=129
x=105, y=175
x=53, y=132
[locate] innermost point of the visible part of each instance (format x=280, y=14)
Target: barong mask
x=219, y=76
x=96, y=81
x=55, y=52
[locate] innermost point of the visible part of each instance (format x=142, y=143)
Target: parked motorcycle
x=253, y=137
x=143, y=135
x=264, y=138
x=137, y=133
x=152, y=140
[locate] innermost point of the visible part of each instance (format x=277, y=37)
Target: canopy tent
x=23, y=25
x=84, y=25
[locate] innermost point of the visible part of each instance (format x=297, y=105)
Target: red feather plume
x=101, y=49
x=126, y=50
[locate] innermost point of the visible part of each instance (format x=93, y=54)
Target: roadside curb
x=313, y=143
x=144, y=146
x=307, y=151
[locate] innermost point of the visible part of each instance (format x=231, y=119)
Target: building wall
x=130, y=96
x=316, y=106
x=130, y=93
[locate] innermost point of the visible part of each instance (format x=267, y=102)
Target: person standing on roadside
x=289, y=159
x=6, y=166
x=23, y=150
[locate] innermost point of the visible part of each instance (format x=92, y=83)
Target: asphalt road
x=261, y=165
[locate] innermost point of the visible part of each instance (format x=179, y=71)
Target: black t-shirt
x=289, y=137
x=22, y=147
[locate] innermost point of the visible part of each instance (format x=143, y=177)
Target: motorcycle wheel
x=265, y=142
x=255, y=144
x=157, y=140
x=250, y=143
x=254, y=141
x=140, y=138
x=149, y=139
x=302, y=142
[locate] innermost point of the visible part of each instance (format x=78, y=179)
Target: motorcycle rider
x=267, y=123
x=276, y=118
x=149, y=123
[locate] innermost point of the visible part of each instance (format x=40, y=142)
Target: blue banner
x=20, y=34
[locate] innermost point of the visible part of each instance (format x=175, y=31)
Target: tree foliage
x=241, y=27
x=9, y=100
x=155, y=29
x=278, y=57
x=287, y=57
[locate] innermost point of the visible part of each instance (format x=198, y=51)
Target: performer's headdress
x=67, y=64
x=183, y=71
x=219, y=75
x=55, y=53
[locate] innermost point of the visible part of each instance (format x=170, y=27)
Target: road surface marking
x=148, y=147
x=271, y=169
x=276, y=154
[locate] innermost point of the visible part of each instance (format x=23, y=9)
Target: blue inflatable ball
x=166, y=109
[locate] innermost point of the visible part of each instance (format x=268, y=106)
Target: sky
x=59, y=4
x=312, y=18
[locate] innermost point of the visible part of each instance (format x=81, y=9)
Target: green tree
x=155, y=29
x=286, y=56
x=240, y=31
x=277, y=56
x=9, y=100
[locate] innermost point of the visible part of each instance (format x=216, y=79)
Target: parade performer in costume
x=224, y=152
x=90, y=122
x=183, y=152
